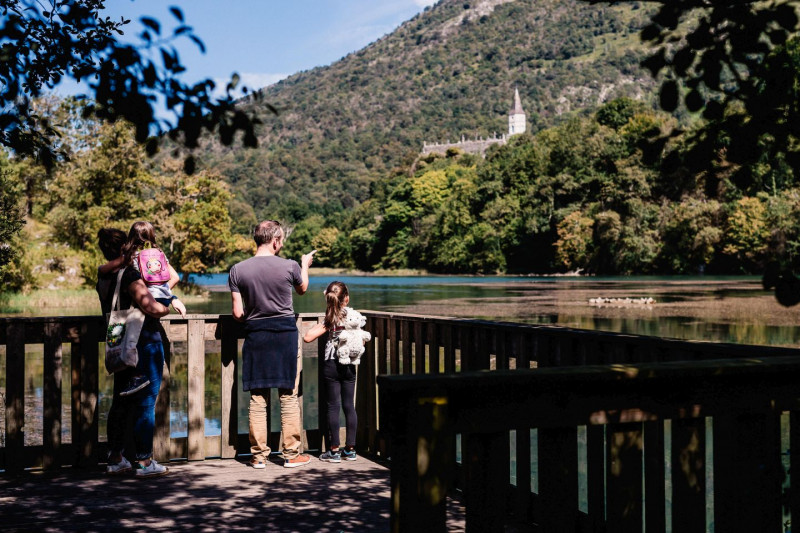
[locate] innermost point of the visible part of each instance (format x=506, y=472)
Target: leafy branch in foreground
x=42, y=44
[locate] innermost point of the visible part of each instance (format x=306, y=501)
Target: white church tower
x=516, y=117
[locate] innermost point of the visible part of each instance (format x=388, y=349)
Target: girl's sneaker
x=348, y=455
x=152, y=470
x=331, y=456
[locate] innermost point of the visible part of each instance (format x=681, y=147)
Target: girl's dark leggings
x=340, y=392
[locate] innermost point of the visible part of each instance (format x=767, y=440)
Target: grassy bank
x=49, y=302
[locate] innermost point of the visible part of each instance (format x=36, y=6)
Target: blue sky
x=262, y=40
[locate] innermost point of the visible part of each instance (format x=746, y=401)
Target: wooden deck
x=211, y=495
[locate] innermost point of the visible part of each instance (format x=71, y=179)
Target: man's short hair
x=267, y=230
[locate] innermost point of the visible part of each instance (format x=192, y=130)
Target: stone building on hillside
x=516, y=125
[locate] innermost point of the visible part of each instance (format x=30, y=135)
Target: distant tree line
x=587, y=195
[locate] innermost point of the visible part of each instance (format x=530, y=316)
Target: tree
x=40, y=45
x=11, y=222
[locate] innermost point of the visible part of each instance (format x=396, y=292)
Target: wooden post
x=747, y=455
x=322, y=410
x=366, y=394
x=689, y=475
x=15, y=397
x=422, y=462
x=449, y=350
x=558, y=479
x=405, y=338
x=87, y=386
x=596, y=476
x=52, y=395
x=654, y=481
x=196, y=372
x=486, y=475
x=394, y=345
x=419, y=348
x=229, y=395
x=162, y=449
x=523, y=445
x=501, y=354
x=624, y=477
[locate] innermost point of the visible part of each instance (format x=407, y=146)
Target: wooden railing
x=609, y=428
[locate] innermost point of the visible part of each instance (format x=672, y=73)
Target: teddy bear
x=352, y=338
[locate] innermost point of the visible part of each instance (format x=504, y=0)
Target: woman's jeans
x=340, y=392
x=138, y=409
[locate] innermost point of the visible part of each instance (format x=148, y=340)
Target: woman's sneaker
x=152, y=470
x=136, y=384
x=331, y=457
x=349, y=455
x=118, y=468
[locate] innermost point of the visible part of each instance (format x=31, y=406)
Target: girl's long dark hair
x=335, y=295
x=140, y=233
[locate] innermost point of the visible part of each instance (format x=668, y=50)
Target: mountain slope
x=449, y=71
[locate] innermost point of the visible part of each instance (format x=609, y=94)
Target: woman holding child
x=135, y=389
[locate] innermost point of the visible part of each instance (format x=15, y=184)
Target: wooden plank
x=522, y=496
x=419, y=348
x=654, y=480
x=322, y=409
x=467, y=349
x=51, y=438
x=393, y=335
x=15, y=397
x=486, y=473
x=747, y=454
x=366, y=394
x=434, y=345
x=689, y=475
x=624, y=477
x=196, y=390
x=525, y=347
x=596, y=476
x=480, y=342
x=794, y=461
x=501, y=353
x=380, y=345
x=449, y=349
x=161, y=435
x=229, y=396
x=88, y=384
x=405, y=339
x=558, y=479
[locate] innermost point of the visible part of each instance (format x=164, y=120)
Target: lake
x=719, y=309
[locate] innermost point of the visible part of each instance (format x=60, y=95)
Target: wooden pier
x=622, y=432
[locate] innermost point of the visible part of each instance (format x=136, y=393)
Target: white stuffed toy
x=352, y=338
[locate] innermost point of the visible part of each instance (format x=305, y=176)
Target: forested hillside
x=449, y=71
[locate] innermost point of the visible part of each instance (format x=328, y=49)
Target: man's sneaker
x=258, y=464
x=299, y=460
x=348, y=455
x=118, y=468
x=331, y=456
x=136, y=384
x=152, y=470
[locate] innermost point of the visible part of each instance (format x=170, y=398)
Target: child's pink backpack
x=153, y=265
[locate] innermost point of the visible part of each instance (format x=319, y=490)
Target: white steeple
x=516, y=117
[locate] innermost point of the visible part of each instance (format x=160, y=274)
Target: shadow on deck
x=211, y=495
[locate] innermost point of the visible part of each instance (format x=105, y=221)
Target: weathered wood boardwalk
x=211, y=495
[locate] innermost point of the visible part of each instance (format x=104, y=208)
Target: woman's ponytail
x=335, y=296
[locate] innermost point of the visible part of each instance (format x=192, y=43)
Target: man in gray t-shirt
x=261, y=293
x=265, y=283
